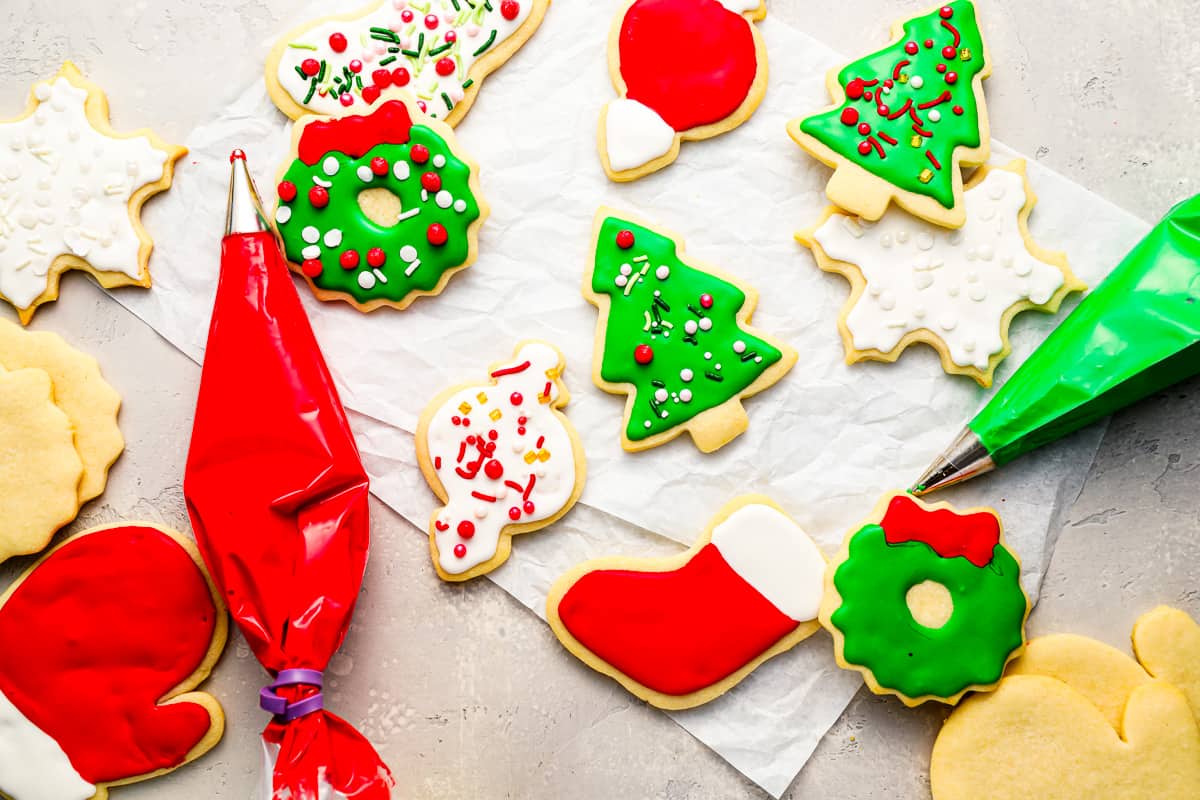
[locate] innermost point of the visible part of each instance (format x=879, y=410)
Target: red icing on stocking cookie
x=92, y=639
x=972, y=536
x=680, y=631
x=686, y=69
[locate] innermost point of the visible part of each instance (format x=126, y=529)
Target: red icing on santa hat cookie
x=681, y=631
x=685, y=69
x=98, y=643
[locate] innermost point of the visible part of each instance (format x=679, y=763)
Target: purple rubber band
x=268, y=700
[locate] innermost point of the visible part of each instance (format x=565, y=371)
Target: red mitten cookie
x=100, y=643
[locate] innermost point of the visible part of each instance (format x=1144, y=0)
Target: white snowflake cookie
x=955, y=290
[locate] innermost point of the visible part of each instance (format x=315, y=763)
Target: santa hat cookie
x=685, y=69
x=100, y=645
x=681, y=631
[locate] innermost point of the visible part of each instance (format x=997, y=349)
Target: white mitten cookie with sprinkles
x=956, y=290
x=502, y=457
x=71, y=189
x=440, y=50
x=378, y=209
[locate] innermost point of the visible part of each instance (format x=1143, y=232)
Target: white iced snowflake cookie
x=71, y=189
x=502, y=457
x=955, y=290
x=440, y=50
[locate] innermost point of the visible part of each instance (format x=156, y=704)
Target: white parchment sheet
x=825, y=442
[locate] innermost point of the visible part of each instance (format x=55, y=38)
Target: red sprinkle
x=431, y=21
x=369, y=94
x=355, y=66
x=376, y=257
x=406, y=16
x=883, y=110
x=528, y=506
x=958, y=110
x=514, y=513
x=941, y=67
x=445, y=66
x=310, y=66
x=625, y=239
x=346, y=98
x=348, y=259
x=382, y=78
x=951, y=77
x=436, y=234
x=421, y=105
x=451, y=37
x=706, y=301
x=509, y=9
x=516, y=399
x=460, y=550
x=466, y=529
x=949, y=52
x=493, y=469
x=379, y=165
x=400, y=76
x=521, y=431
x=493, y=435
x=311, y=267
x=947, y=12
x=431, y=182
x=849, y=115
x=864, y=129
x=911, y=48
x=855, y=89
x=337, y=42
x=318, y=196
x=643, y=354
x=864, y=148
x=286, y=191
x=419, y=153
x=929, y=44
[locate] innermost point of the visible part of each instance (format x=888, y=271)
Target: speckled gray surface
x=482, y=702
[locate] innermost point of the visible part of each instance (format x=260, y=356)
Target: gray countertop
x=482, y=702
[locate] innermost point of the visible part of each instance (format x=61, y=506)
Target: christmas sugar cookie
x=681, y=631
x=502, y=457
x=674, y=335
x=380, y=209
x=1075, y=719
x=440, y=50
x=101, y=645
x=958, y=290
x=926, y=601
x=71, y=190
x=685, y=70
x=905, y=118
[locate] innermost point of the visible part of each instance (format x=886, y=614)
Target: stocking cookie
x=502, y=457
x=905, y=118
x=71, y=189
x=101, y=644
x=957, y=291
x=381, y=209
x=926, y=601
x=674, y=335
x=440, y=50
x=681, y=631
x=1075, y=719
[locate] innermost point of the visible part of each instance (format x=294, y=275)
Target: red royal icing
x=674, y=632
x=692, y=61
x=356, y=134
x=972, y=536
x=95, y=636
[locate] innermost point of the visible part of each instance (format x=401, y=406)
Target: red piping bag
x=278, y=499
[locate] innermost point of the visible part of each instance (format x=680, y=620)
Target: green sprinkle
x=312, y=89
x=409, y=53
x=302, y=46
x=302, y=74
x=420, y=43
x=358, y=82
x=441, y=49
x=487, y=44
x=468, y=83
x=321, y=74
x=446, y=100
x=487, y=4
x=383, y=62
x=393, y=49
x=455, y=4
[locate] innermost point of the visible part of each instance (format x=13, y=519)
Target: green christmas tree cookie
x=675, y=338
x=905, y=118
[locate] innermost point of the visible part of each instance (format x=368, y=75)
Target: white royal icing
x=741, y=6
x=635, y=134
x=65, y=189
x=776, y=557
x=472, y=33
x=32, y=764
x=956, y=284
x=550, y=467
x=267, y=788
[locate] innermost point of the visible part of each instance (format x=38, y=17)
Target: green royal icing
x=880, y=633
x=654, y=297
x=408, y=237
x=932, y=105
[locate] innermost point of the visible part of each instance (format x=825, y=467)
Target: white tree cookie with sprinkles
x=71, y=189
x=955, y=290
x=379, y=209
x=440, y=50
x=502, y=457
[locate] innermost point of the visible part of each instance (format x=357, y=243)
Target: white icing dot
x=12, y=171
x=408, y=253
x=706, y=324
x=364, y=174
x=916, y=82
x=887, y=301
x=948, y=323
x=925, y=240
x=283, y=214
x=902, y=237
x=518, y=447
x=987, y=252
x=312, y=251
x=885, y=240
x=661, y=395
x=717, y=365
x=686, y=395
x=977, y=292
x=401, y=170
x=997, y=190
x=330, y=166
x=460, y=206
x=366, y=279
x=935, y=115
x=333, y=237
x=922, y=279
x=626, y=269
x=690, y=327
x=686, y=375
x=42, y=92
x=952, y=291
x=621, y=280
x=444, y=199
x=708, y=356
x=439, y=161
x=310, y=234
x=1023, y=268
x=481, y=512
x=739, y=347
x=969, y=345
x=663, y=272
x=27, y=220
x=647, y=423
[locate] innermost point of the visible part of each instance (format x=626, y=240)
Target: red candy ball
x=643, y=354
x=400, y=76
x=419, y=153
x=382, y=78
x=431, y=182
x=370, y=94
x=436, y=234
x=864, y=148
x=310, y=66
x=337, y=43
x=286, y=191
x=528, y=506
x=346, y=98
x=958, y=111
x=947, y=12
x=509, y=9
x=516, y=398
x=431, y=21
x=460, y=550
x=379, y=165
x=951, y=77
x=884, y=110
x=929, y=44
x=849, y=116
x=941, y=67
x=889, y=83
x=318, y=196
x=376, y=257
x=311, y=267
x=514, y=513
x=911, y=48
x=406, y=16
x=421, y=105
x=855, y=89
x=493, y=469
x=466, y=529
x=348, y=259
x=451, y=37
x=445, y=66
x=864, y=129
x=706, y=301
x=625, y=239
x=356, y=66
x=949, y=52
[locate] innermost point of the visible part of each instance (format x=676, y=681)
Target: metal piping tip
x=961, y=461
x=244, y=212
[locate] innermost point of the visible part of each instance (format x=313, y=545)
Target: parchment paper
x=825, y=442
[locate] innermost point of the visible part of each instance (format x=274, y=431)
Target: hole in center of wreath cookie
x=380, y=206
x=930, y=604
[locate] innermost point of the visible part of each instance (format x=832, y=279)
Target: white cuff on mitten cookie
x=634, y=135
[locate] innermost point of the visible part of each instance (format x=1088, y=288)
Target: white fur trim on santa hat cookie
x=33, y=765
x=634, y=135
x=775, y=556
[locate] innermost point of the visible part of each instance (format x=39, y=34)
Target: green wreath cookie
x=926, y=602
x=378, y=209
